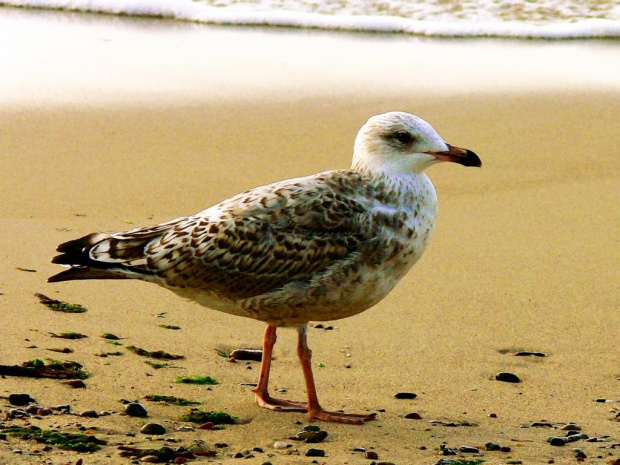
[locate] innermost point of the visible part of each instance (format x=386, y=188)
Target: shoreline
x=524, y=256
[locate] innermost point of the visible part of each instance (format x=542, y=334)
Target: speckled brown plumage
x=321, y=247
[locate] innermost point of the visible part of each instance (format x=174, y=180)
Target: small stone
x=185, y=429
x=541, y=424
x=207, y=426
x=153, y=429
x=77, y=384
x=149, y=459
x=238, y=455
x=507, y=377
x=579, y=454
x=514, y=462
x=371, y=455
x=525, y=353
x=571, y=427
x=65, y=408
x=255, y=355
x=602, y=400
x=492, y=415
x=17, y=451
x=44, y=412
x=413, y=416
x=556, y=441
x=576, y=437
x=20, y=399
x=505, y=449
x=469, y=449
x=311, y=428
x=492, y=446
x=405, y=395
x=89, y=414
x=33, y=409
x=135, y=409
x=311, y=437
x=258, y=449
x=17, y=413
x=220, y=445
x=280, y=445
x=315, y=453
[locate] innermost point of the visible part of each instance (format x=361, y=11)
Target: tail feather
x=82, y=272
x=101, y=256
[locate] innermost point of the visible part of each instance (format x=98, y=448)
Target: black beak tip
x=471, y=159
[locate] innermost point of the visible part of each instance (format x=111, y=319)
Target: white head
x=399, y=142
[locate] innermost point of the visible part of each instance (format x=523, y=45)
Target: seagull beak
x=458, y=155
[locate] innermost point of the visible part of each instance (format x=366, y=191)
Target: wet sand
x=524, y=256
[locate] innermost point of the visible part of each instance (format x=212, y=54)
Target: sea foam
x=536, y=19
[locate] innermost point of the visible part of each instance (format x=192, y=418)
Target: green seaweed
x=110, y=354
x=110, y=336
x=157, y=354
x=60, y=306
x=197, y=379
x=218, y=418
x=66, y=441
x=156, y=365
x=114, y=343
x=170, y=400
x=169, y=326
x=69, y=335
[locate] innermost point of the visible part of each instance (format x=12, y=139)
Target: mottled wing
x=263, y=239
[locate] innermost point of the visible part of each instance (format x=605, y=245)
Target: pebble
x=184, y=429
x=507, y=377
x=44, y=412
x=66, y=408
x=77, y=384
x=33, y=409
x=208, y=425
x=579, y=454
x=149, y=459
x=405, y=395
x=153, y=428
x=315, y=453
x=90, y=414
x=541, y=424
x=557, y=441
x=255, y=355
x=571, y=427
x=413, y=416
x=576, y=437
x=371, y=455
x=311, y=428
x=135, y=409
x=469, y=449
x=492, y=446
x=525, y=353
x=17, y=413
x=20, y=399
x=280, y=445
x=311, y=437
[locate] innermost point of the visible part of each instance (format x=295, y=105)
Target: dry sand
x=525, y=257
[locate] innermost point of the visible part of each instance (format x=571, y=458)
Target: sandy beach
x=524, y=257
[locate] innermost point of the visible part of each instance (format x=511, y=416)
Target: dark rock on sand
x=507, y=377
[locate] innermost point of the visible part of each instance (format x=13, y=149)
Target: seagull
x=315, y=248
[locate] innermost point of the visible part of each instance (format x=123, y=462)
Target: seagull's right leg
x=262, y=397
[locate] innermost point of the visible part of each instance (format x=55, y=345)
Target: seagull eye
x=403, y=137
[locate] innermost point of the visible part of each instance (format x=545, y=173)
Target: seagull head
x=399, y=142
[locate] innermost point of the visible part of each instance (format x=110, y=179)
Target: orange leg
x=314, y=408
x=262, y=397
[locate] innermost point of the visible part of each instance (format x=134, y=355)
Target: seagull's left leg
x=263, y=399
x=314, y=408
